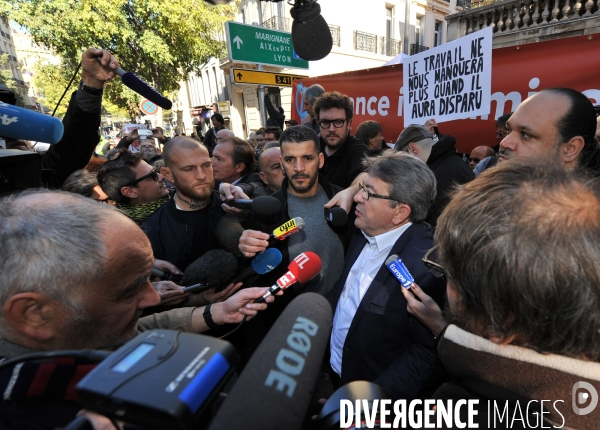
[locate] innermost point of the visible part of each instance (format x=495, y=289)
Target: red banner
x=517, y=72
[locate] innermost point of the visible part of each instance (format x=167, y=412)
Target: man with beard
x=183, y=229
x=343, y=153
x=303, y=193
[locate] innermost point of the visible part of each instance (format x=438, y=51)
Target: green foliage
x=161, y=41
x=51, y=81
x=6, y=76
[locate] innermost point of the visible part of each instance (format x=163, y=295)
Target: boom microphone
x=215, y=268
x=288, y=228
x=311, y=36
x=264, y=205
x=138, y=85
x=19, y=123
x=302, y=269
x=276, y=386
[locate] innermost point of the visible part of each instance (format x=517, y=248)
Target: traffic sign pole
x=261, y=101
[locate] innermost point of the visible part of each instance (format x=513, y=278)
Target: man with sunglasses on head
x=343, y=153
x=133, y=184
x=374, y=338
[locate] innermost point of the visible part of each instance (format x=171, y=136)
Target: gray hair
x=53, y=247
x=410, y=180
x=312, y=93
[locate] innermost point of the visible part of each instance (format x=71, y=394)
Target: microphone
x=19, y=123
x=311, y=36
x=263, y=263
x=275, y=388
x=288, y=228
x=399, y=270
x=264, y=205
x=138, y=85
x=215, y=268
x=302, y=269
x=336, y=216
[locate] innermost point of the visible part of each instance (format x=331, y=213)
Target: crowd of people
x=505, y=303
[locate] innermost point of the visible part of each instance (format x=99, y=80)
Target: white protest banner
x=451, y=81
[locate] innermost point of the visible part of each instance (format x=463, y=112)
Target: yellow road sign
x=244, y=76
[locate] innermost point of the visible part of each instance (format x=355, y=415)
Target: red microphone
x=302, y=269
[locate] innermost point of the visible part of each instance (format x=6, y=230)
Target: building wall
x=7, y=46
x=353, y=20
x=29, y=56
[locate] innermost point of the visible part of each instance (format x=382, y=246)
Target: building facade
x=29, y=55
x=365, y=35
x=7, y=46
x=516, y=22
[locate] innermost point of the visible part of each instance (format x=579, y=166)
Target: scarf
x=56, y=378
x=141, y=213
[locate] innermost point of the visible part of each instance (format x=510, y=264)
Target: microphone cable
x=66, y=89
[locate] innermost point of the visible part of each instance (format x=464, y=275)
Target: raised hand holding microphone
x=97, y=67
x=252, y=241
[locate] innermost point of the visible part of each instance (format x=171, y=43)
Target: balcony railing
x=505, y=17
x=278, y=23
x=470, y=4
x=415, y=48
x=390, y=47
x=335, y=34
x=365, y=42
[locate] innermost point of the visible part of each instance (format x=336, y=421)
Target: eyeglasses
x=436, y=270
x=337, y=123
x=152, y=175
x=367, y=195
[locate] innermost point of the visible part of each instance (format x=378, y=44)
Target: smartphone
x=144, y=132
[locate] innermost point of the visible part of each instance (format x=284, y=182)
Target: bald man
x=478, y=154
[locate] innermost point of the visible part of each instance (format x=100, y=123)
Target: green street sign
x=259, y=45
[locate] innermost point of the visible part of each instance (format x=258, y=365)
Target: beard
x=339, y=142
x=300, y=189
x=190, y=192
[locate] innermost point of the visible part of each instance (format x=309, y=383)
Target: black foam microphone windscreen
x=336, y=216
x=216, y=267
x=276, y=386
x=264, y=205
x=311, y=35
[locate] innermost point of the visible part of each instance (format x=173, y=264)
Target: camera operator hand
x=95, y=73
